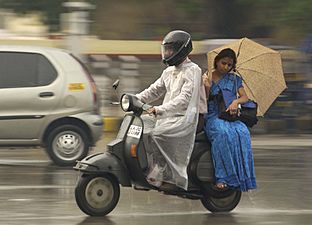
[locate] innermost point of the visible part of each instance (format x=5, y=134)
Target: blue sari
x=231, y=144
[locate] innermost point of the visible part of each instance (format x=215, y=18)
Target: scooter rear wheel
x=97, y=195
x=224, y=204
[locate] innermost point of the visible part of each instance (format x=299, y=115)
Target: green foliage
x=51, y=9
x=287, y=19
x=138, y=19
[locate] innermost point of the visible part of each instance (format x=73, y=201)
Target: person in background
x=230, y=141
x=169, y=134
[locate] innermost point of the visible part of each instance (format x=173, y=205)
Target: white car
x=48, y=98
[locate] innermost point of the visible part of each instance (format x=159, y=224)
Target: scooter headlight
x=130, y=103
x=125, y=103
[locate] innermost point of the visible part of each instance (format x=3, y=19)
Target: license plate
x=134, y=131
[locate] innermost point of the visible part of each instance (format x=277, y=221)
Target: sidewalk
x=266, y=132
x=287, y=140
x=274, y=128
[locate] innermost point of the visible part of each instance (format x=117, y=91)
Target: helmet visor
x=168, y=50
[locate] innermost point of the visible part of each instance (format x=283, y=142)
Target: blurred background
x=121, y=40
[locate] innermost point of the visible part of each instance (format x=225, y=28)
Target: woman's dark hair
x=227, y=52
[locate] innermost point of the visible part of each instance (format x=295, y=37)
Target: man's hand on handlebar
x=151, y=111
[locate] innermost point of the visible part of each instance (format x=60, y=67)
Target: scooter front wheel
x=97, y=195
x=224, y=204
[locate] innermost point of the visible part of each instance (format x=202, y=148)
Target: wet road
x=33, y=191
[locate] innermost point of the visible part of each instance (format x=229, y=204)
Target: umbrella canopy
x=260, y=68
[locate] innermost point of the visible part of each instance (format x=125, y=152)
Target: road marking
x=22, y=161
x=21, y=187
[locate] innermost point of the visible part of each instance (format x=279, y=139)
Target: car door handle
x=46, y=94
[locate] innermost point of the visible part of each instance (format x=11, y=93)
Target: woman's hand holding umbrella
x=207, y=80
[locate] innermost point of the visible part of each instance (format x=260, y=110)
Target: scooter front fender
x=104, y=163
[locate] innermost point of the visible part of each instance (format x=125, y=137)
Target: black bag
x=247, y=115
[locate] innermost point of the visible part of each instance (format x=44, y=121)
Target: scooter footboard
x=104, y=163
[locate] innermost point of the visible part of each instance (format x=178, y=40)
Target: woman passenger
x=231, y=144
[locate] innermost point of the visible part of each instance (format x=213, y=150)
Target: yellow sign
x=284, y=103
x=76, y=86
x=308, y=85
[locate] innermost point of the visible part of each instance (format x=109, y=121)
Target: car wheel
x=97, y=195
x=222, y=204
x=66, y=144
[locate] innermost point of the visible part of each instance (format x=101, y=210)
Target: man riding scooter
x=159, y=151
x=169, y=130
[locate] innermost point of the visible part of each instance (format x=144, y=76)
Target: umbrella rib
x=239, y=48
x=273, y=78
x=252, y=58
x=253, y=96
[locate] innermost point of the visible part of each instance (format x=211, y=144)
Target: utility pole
x=77, y=25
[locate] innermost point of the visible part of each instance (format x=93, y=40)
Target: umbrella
x=260, y=68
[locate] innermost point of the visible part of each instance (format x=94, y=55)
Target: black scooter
x=125, y=163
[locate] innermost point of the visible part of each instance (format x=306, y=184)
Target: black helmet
x=175, y=47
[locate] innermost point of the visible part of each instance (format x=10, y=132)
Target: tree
x=287, y=20
x=49, y=9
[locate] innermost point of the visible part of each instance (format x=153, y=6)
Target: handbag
x=247, y=112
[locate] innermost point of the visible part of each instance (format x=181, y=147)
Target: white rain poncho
x=169, y=138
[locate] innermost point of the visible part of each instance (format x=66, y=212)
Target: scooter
x=125, y=163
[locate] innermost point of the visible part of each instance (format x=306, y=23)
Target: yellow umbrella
x=260, y=68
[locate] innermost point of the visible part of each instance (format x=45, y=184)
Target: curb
x=111, y=123
x=282, y=126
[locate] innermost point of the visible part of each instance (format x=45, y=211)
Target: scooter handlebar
x=145, y=107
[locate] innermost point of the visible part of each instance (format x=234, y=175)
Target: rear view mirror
x=115, y=84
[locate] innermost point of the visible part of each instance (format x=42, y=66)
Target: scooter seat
x=201, y=137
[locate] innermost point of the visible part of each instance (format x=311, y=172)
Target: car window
x=25, y=70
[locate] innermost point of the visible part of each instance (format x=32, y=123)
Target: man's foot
x=141, y=188
x=154, y=182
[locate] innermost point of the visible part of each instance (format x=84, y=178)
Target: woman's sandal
x=221, y=186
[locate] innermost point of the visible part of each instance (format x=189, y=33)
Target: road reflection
x=34, y=191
